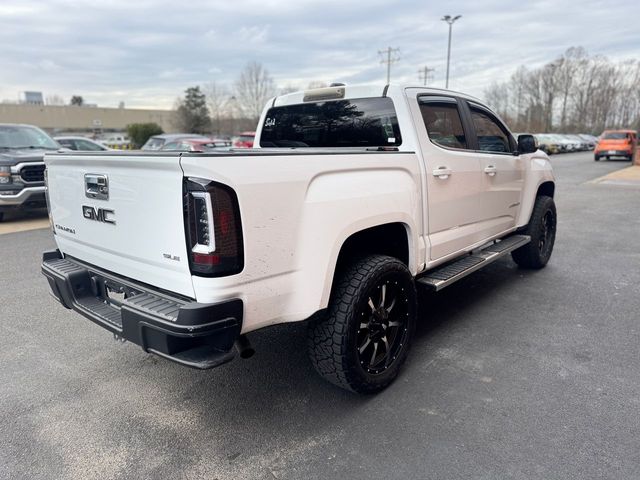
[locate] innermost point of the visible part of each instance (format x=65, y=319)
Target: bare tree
x=55, y=100
x=497, y=96
x=568, y=64
x=316, y=84
x=288, y=89
x=253, y=88
x=548, y=90
x=218, y=102
x=574, y=93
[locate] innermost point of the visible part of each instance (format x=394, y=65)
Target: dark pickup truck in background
x=22, y=148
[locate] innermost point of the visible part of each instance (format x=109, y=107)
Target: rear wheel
x=542, y=230
x=364, y=338
x=1, y=216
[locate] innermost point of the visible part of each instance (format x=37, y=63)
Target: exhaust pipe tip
x=244, y=347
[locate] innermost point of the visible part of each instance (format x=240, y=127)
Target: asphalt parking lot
x=513, y=374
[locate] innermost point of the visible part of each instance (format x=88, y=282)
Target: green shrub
x=139, y=133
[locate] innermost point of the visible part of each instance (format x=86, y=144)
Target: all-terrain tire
x=336, y=339
x=542, y=230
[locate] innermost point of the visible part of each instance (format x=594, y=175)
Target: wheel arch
x=391, y=238
x=547, y=188
x=539, y=180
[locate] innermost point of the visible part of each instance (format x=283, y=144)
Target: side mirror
x=527, y=144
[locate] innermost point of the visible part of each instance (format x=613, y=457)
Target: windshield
x=363, y=122
x=20, y=136
x=615, y=136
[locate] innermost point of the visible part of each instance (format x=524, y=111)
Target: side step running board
x=444, y=276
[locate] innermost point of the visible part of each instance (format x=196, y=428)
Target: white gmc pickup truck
x=354, y=196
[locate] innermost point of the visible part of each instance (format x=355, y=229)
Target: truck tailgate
x=123, y=213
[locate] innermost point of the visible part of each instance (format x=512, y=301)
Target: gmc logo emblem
x=104, y=215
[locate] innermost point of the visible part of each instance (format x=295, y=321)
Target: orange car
x=616, y=143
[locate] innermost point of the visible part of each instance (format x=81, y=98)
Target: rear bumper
x=190, y=333
x=31, y=196
x=612, y=153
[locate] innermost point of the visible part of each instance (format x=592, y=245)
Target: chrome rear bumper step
x=449, y=273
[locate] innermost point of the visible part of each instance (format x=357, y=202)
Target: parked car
x=156, y=142
x=196, y=145
x=81, y=144
x=590, y=140
x=22, y=148
x=581, y=143
x=616, y=143
x=385, y=192
x=244, y=140
x=547, y=143
x=563, y=142
x=116, y=141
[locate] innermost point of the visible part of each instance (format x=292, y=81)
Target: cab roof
x=358, y=91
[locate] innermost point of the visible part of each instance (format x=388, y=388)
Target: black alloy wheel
x=542, y=230
x=362, y=340
x=547, y=233
x=383, y=326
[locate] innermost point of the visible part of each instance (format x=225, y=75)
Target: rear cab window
x=492, y=136
x=360, y=122
x=443, y=122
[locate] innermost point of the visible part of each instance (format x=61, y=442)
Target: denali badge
x=65, y=229
x=104, y=215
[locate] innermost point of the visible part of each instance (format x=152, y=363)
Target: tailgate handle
x=96, y=186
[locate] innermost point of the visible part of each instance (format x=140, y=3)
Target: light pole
x=450, y=20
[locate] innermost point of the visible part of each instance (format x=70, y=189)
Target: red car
x=244, y=140
x=197, y=145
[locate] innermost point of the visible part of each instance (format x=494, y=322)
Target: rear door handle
x=490, y=170
x=442, y=172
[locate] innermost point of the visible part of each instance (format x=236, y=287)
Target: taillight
x=213, y=228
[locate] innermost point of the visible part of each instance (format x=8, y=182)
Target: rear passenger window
x=491, y=136
x=443, y=123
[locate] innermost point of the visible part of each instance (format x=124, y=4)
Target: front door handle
x=490, y=170
x=442, y=172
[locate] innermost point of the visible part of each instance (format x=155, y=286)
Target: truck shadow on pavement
x=280, y=371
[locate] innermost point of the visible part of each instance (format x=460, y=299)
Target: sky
x=146, y=53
